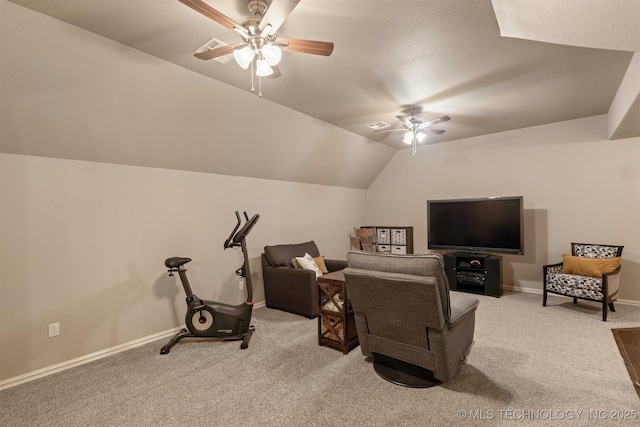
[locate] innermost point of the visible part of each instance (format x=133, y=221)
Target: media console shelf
x=476, y=273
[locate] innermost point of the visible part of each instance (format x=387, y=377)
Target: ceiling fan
x=415, y=129
x=260, y=46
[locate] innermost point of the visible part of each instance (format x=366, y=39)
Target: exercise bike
x=211, y=319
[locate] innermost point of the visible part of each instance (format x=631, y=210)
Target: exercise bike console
x=211, y=319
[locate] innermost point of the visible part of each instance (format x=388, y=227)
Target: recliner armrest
x=461, y=307
x=291, y=289
x=288, y=274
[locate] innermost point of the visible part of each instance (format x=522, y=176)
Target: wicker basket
x=333, y=328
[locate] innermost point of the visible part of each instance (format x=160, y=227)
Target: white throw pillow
x=307, y=262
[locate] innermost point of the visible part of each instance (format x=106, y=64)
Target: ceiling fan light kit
x=259, y=48
x=243, y=56
x=272, y=54
x=263, y=68
x=413, y=135
x=415, y=130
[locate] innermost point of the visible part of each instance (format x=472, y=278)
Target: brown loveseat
x=293, y=289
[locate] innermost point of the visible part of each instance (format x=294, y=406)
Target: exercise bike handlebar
x=226, y=242
x=236, y=237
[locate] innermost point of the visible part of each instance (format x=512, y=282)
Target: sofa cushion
x=319, y=260
x=593, y=267
x=575, y=286
x=308, y=263
x=280, y=255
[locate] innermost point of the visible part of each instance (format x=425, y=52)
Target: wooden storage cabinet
x=336, y=321
x=394, y=240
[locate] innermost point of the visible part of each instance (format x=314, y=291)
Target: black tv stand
x=472, y=254
x=475, y=273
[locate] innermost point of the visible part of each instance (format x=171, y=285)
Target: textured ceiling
x=445, y=56
x=595, y=24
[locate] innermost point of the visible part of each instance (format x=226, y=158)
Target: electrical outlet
x=241, y=285
x=54, y=329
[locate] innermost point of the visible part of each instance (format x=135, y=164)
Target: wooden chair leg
x=575, y=300
x=604, y=310
x=611, y=307
x=544, y=297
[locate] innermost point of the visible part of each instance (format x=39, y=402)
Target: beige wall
x=84, y=244
x=577, y=187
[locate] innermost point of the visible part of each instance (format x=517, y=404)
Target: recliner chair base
x=402, y=373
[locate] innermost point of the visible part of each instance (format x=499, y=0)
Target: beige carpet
x=530, y=365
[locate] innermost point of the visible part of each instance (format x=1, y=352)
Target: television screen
x=491, y=224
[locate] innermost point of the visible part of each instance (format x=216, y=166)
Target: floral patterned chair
x=591, y=272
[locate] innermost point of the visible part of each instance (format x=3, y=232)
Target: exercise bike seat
x=175, y=262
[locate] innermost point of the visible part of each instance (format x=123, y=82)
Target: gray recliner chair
x=416, y=333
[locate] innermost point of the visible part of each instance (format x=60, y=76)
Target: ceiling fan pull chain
x=253, y=89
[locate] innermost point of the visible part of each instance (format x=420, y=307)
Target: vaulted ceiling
x=490, y=66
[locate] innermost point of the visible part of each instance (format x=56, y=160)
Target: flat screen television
x=490, y=224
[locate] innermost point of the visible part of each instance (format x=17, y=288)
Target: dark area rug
x=628, y=340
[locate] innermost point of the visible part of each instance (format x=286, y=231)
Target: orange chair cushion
x=593, y=267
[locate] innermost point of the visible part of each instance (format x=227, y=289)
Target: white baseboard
x=539, y=292
x=516, y=288
x=91, y=357
x=85, y=359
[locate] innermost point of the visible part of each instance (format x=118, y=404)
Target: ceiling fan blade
x=276, y=14
x=405, y=119
x=276, y=72
x=392, y=130
x=306, y=46
x=218, y=52
x=433, y=131
x=434, y=121
x=211, y=13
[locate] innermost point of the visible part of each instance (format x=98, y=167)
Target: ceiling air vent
x=213, y=43
x=378, y=126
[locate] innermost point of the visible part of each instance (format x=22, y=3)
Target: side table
x=336, y=321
